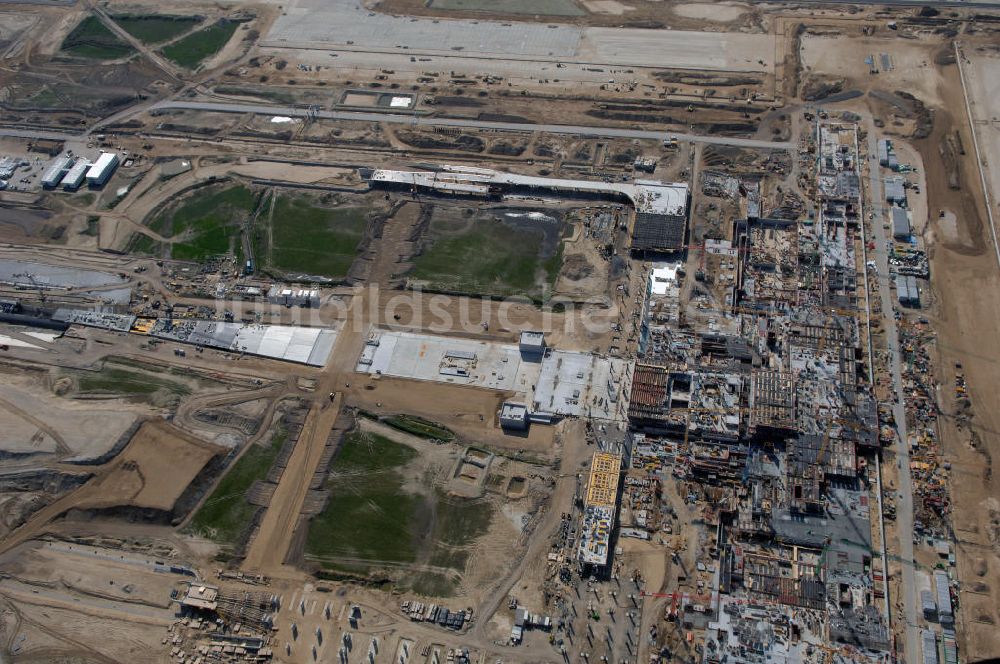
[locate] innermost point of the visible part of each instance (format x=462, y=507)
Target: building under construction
x=765, y=413
x=661, y=208
x=600, y=512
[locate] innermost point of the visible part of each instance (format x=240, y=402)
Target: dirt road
x=966, y=314
x=270, y=547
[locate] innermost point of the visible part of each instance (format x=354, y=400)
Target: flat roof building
x=201, y=597
x=513, y=417
x=900, y=223
x=895, y=190
x=928, y=605
x=102, y=169
x=907, y=291
x=76, y=175
x=942, y=588
x=929, y=646
x=56, y=171
x=602, y=489
x=531, y=343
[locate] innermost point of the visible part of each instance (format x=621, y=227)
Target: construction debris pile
x=929, y=472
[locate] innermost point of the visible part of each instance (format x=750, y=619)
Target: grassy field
x=369, y=516
x=144, y=245
x=307, y=238
x=372, y=521
x=190, y=51
x=155, y=28
x=92, y=40
x=458, y=524
x=204, y=223
x=226, y=514
x=420, y=427
x=533, y=7
x=113, y=379
x=260, y=92
x=486, y=256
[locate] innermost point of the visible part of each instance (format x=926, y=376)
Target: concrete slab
x=484, y=364
x=581, y=384
x=345, y=25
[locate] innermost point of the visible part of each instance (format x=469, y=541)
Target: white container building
x=100, y=172
x=56, y=171
x=76, y=175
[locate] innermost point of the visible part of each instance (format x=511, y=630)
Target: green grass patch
x=205, y=222
x=460, y=522
x=418, y=426
x=275, y=95
x=144, y=245
x=116, y=380
x=373, y=523
x=155, y=28
x=190, y=51
x=433, y=584
x=488, y=255
x=46, y=97
x=310, y=239
x=553, y=264
x=91, y=39
x=369, y=516
x=93, y=228
x=226, y=514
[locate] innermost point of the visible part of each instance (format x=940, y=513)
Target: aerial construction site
x=454, y=332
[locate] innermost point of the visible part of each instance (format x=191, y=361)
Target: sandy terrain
x=50, y=630
x=965, y=318
x=461, y=409
x=82, y=429
x=610, y=7
x=722, y=12
x=270, y=545
x=151, y=473
x=982, y=79
x=911, y=61
x=343, y=26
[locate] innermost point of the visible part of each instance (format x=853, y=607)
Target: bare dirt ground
x=965, y=319
x=269, y=549
x=53, y=630
x=716, y=12
x=69, y=428
x=612, y=13
x=825, y=54
x=584, y=274
x=151, y=473
x=470, y=413
x=981, y=70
